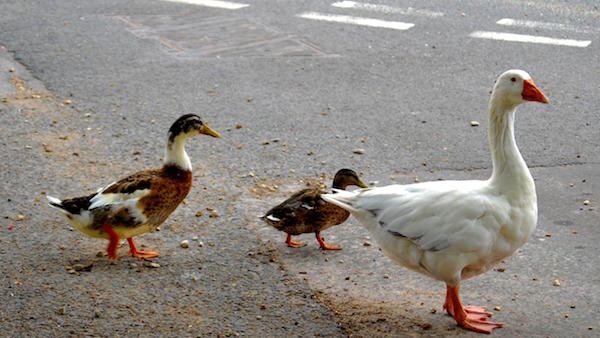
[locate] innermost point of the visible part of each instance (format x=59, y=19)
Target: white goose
x=454, y=230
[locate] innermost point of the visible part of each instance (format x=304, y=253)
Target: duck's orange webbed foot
x=472, y=318
x=293, y=244
x=324, y=245
x=140, y=254
x=113, y=241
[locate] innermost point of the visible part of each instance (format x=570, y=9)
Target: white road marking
x=538, y=24
x=386, y=9
x=530, y=38
x=357, y=20
x=212, y=3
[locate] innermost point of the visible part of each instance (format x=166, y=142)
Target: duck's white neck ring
x=175, y=153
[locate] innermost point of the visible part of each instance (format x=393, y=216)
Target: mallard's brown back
x=305, y=212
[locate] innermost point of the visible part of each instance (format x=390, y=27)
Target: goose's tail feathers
x=343, y=199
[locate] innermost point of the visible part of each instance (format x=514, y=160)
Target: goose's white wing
x=434, y=215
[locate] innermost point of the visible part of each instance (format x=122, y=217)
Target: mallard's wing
x=295, y=207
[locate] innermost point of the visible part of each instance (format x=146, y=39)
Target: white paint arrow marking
x=357, y=20
x=386, y=9
x=212, y=3
x=530, y=39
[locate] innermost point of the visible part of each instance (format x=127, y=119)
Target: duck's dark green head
x=189, y=125
x=346, y=177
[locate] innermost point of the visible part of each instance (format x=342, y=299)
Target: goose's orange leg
x=324, y=245
x=113, y=241
x=474, y=319
x=449, y=306
x=293, y=244
x=140, y=254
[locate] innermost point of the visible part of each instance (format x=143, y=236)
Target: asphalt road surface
x=88, y=90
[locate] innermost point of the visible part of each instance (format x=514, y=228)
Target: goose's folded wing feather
x=435, y=215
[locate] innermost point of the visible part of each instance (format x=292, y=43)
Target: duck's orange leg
x=113, y=241
x=293, y=244
x=475, y=319
x=140, y=254
x=324, y=245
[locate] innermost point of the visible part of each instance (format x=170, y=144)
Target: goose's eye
x=513, y=79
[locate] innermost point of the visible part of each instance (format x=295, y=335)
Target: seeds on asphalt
x=185, y=244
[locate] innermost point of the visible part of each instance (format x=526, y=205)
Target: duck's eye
x=513, y=79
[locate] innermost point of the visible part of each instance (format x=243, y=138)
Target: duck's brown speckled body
x=306, y=212
x=140, y=202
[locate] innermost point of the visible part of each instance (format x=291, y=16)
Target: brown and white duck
x=305, y=211
x=139, y=203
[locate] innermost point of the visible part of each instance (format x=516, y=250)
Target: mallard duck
x=305, y=212
x=454, y=230
x=141, y=202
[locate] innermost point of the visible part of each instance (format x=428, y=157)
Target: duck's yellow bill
x=206, y=130
x=362, y=184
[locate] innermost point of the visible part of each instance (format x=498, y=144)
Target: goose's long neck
x=510, y=170
x=176, y=155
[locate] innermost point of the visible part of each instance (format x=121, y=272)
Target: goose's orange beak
x=532, y=93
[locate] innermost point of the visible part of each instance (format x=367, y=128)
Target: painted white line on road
x=386, y=9
x=530, y=38
x=354, y=20
x=538, y=24
x=212, y=3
